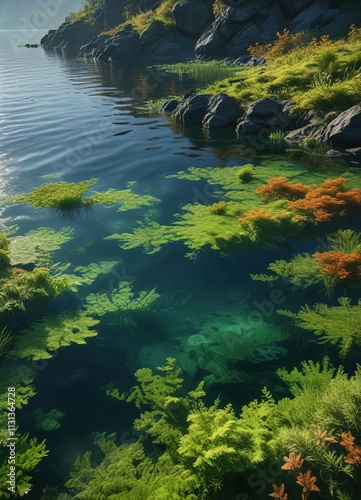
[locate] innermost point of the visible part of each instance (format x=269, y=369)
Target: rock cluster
x=265, y=116
x=196, y=30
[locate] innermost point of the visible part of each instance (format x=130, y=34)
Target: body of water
x=63, y=119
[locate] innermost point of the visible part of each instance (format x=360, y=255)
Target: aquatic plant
x=116, y=306
x=50, y=333
x=329, y=200
x=151, y=236
x=126, y=198
x=29, y=452
x=280, y=188
x=342, y=264
x=37, y=246
x=246, y=173
x=4, y=253
x=14, y=374
x=219, y=208
x=86, y=275
x=339, y=265
x=269, y=226
x=5, y=341
x=47, y=421
x=62, y=196
x=25, y=286
x=277, y=139
x=338, y=325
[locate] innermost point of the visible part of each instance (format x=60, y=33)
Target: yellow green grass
x=321, y=74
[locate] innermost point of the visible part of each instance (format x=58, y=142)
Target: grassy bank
x=317, y=74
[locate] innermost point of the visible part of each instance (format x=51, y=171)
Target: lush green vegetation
x=209, y=452
x=318, y=74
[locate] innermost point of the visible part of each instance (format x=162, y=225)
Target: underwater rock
x=268, y=352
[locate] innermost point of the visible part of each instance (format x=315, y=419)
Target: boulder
x=191, y=17
x=123, y=45
x=211, y=45
x=300, y=134
x=78, y=34
x=159, y=40
x=345, y=130
x=222, y=111
x=264, y=114
x=169, y=106
x=192, y=109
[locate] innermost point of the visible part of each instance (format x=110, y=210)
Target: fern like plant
x=338, y=325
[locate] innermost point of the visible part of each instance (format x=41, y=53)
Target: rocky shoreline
x=200, y=31
x=340, y=132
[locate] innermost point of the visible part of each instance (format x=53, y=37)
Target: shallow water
x=70, y=120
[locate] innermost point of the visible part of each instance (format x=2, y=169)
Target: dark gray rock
x=211, y=45
x=113, y=13
x=123, y=45
x=192, y=109
x=293, y=8
x=264, y=114
x=159, y=40
x=345, y=130
x=95, y=43
x=77, y=34
x=222, y=111
x=300, y=134
x=191, y=17
x=316, y=15
x=169, y=106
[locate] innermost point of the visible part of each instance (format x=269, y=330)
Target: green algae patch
x=22, y=287
x=69, y=197
x=47, y=421
x=125, y=198
x=86, y=275
x=338, y=325
x=37, y=246
x=116, y=305
x=62, y=196
x=50, y=333
x=151, y=236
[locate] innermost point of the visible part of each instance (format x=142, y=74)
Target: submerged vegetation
x=202, y=451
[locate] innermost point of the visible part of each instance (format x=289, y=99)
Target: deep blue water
x=75, y=120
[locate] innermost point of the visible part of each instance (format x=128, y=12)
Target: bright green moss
x=62, y=196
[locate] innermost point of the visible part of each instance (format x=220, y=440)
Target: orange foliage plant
x=353, y=452
x=281, y=188
x=340, y=265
